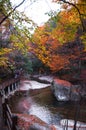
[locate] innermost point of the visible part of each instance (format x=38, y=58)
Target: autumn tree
x=7, y=10
x=79, y=10
x=45, y=48
x=5, y=50
x=79, y=7
x=59, y=30
x=15, y=35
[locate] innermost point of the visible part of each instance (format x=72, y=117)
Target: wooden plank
x=9, y=118
x=8, y=124
x=8, y=109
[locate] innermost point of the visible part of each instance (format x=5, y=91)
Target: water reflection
x=41, y=112
x=44, y=112
x=43, y=104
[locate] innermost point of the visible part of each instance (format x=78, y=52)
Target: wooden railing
x=10, y=119
x=6, y=89
x=9, y=87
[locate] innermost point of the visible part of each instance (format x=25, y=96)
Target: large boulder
x=65, y=91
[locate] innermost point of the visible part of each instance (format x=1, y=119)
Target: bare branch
x=75, y=6
x=11, y=12
x=83, y=27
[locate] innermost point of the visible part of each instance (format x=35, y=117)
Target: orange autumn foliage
x=48, y=39
x=46, y=48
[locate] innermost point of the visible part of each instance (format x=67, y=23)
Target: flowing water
x=38, y=99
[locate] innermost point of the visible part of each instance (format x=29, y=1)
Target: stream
x=36, y=98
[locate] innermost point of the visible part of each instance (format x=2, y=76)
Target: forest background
x=58, y=47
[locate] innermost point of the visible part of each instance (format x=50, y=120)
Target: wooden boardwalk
x=6, y=88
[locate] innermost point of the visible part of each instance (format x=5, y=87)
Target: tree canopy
x=68, y=26
x=57, y=44
x=15, y=35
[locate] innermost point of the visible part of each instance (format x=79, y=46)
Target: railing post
x=8, y=90
x=4, y=110
x=14, y=122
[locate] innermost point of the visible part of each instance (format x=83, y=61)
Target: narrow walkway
x=2, y=126
x=4, y=84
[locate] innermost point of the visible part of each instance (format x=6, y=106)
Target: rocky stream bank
x=38, y=108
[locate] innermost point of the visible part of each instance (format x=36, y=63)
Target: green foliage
x=24, y=62
x=83, y=38
x=5, y=6
x=19, y=27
